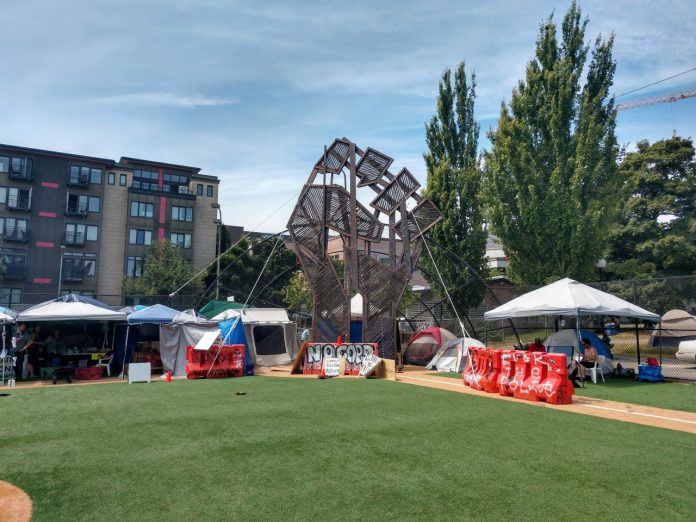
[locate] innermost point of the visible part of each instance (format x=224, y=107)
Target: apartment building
x=79, y=224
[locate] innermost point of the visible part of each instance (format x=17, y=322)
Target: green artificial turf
x=670, y=395
x=347, y=449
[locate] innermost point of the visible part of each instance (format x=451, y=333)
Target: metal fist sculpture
x=329, y=202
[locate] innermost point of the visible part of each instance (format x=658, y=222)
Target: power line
x=655, y=83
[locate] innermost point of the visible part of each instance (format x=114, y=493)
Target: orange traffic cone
x=168, y=378
x=339, y=341
x=322, y=375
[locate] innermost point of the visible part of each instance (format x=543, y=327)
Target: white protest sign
x=369, y=363
x=334, y=366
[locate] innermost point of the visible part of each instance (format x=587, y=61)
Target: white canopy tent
x=70, y=308
x=568, y=298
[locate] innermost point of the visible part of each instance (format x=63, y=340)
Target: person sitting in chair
x=537, y=346
x=589, y=358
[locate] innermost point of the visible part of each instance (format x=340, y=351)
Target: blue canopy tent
x=155, y=314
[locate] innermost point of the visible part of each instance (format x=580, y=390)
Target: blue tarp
x=232, y=332
x=602, y=349
x=155, y=314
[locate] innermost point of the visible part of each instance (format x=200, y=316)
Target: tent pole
x=125, y=351
x=637, y=342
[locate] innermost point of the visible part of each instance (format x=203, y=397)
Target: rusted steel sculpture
x=325, y=205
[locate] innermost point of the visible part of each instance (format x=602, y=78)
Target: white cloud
x=163, y=99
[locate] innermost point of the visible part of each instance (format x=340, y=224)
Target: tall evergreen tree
x=550, y=178
x=454, y=181
x=656, y=232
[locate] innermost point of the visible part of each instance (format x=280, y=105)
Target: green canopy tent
x=215, y=307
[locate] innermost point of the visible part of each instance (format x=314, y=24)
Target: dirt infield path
x=15, y=504
x=620, y=411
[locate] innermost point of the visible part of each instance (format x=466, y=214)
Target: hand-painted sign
x=369, y=363
x=315, y=353
x=332, y=366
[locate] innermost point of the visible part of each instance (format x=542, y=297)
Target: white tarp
x=451, y=357
x=569, y=298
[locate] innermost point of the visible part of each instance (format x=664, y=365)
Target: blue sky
x=252, y=91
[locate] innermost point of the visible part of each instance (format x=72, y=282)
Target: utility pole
x=218, y=222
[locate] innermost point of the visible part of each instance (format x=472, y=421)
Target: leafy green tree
x=550, y=177
x=454, y=182
x=244, y=263
x=656, y=230
x=164, y=270
x=297, y=294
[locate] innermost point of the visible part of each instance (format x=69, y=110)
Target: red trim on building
x=160, y=234
x=160, y=182
x=49, y=184
x=45, y=244
x=41, y=280
x=162, y=210
x=47, y=214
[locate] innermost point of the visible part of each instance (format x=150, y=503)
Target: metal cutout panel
x=398, y=190
x=372, y=167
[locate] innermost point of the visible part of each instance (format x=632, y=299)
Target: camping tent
x=184, y=330
x=271, y=336
x=156, y=314
x=676, y=326
x=568, y=298
x=423, y=345
x=70, y=307
x=213, y=308
x=451, y=357
x=561, y=340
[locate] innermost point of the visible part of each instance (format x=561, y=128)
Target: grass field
x=298, y=449
x=670, y=395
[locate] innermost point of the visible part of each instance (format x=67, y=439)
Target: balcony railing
x=13, y=272
x=73, y=275
x=75, y=209
x=22, y=173
x=75, y=238
x=15, y=234
x=78, y=181
x=19, y=203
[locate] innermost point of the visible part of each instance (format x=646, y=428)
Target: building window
x=182, y=214
x=141, y=209
x=94, y=204
x=210, y=191
x=76, y=205
x=14, y=229
x=139, y=237
x=78, y=233
x=95, y=176
x=183, y=240
x=199, y=189
x=19, y=199
x=21, y=169
x=80, y=176
x=10, y=297
x=111, y=178
x=134, y=266
x=14, y=261
x=77, y=266
x=3, y=195
x=122, y=180
x=4, y=164
x=77, y=291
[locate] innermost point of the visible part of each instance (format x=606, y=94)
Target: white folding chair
x=106, y=363
x=598, y=367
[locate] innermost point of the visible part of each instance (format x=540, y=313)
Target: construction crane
x=667, y=98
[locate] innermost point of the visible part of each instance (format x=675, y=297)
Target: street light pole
x=218, y=222
x=60, y=268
